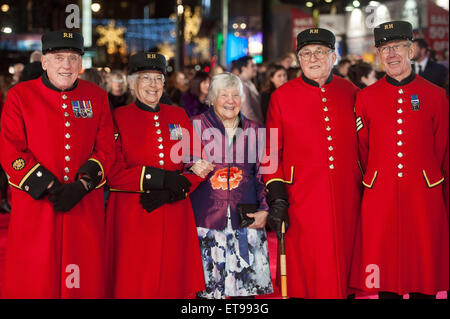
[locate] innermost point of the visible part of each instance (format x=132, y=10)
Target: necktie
x=420, y=69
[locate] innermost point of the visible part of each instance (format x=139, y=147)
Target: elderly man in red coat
x=402, y=124
x=317, y=172
x=56, y=140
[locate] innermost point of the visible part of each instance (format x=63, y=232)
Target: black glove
x=175, y=197
x=65, y=196
x=278, y=207
x=154, y=199
x=278, y=213
x=56, y=185
x=178, y=184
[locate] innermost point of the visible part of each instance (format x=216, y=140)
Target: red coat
x=1, y=103
x=404, y=154
x=157, y=254
x=41, y=136
x=318, y=160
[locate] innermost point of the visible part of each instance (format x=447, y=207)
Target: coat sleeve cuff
x=36, y=181
x=276, y=190
x=93, y=169
x=151, y=178
x=277, y=179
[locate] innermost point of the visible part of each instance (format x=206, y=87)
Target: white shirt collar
x=423, y=64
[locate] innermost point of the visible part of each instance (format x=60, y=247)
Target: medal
x=415, y=102
x=82, y=109
x=175, y=132
x=76, y=109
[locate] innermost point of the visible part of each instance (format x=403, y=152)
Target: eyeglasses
x=319, y=54
x=147, y=79
x=397, y=47
x=71, y=58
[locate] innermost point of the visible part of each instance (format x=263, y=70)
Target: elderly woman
x=153, y=251
x=234, y=249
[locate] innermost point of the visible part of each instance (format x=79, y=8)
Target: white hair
x=224, y=80
x=35, y=56
x=132, y=78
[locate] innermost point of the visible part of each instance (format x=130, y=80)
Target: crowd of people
x=182, y=89
x=182, y=221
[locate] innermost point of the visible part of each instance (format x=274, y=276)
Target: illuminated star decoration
x=192, y=23
x=192, y=27
x=202, y=47
x=167, y=49
x=111, y=37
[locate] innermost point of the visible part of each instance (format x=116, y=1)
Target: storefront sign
x=300, y=21
x=437, y=31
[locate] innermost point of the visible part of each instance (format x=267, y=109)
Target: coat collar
x=146, y=107
x=403, y=82
x=217, y=123
x=46, y=81
x=314, y=83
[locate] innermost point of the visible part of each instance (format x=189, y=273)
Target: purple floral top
x=234, y=180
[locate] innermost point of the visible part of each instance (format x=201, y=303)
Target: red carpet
x=273, y=243
x=272, y=239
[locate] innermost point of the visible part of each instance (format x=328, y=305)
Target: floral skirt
x=235, y=262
